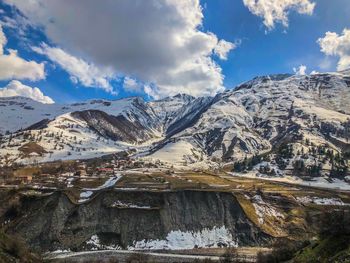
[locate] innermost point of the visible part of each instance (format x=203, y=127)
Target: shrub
x=14, y=247
x=138, y=258
x=13, y=210
x=230, y=255
x=282, y=250
x=334, y=223
x=265, y=258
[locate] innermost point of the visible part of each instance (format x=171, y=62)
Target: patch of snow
x=263, y=209
x=321, y=113
x=320, y=201
x=84, y=196
x=96, y=244
x=214, y=237
x=69, y=182
x=120, y=204
x=174, y=152
x=324, y=183
x=109, y=183
x=320, y=182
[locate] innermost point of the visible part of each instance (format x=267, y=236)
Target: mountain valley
x=247, y=168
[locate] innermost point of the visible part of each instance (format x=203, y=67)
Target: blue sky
x=279, y=50
x=257, y=49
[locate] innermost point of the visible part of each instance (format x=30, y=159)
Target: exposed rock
x=53, y=222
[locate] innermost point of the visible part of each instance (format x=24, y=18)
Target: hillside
x=270, y=126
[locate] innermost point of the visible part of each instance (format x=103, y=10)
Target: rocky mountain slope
x=286, y=122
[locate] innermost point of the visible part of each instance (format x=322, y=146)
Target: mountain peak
x=345, y=71
x=183, y=96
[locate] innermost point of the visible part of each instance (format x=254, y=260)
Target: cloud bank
x=16, y=88
x=79, y=70
x=276, y=11
x=132, y=85
x=333, y=44
x=14, y=67
x=158, y=41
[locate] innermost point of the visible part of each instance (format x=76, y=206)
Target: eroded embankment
x=130, y=220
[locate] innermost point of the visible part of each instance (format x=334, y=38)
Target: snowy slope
x=19, y=113
x=75, y=131
x=64, y=138
x=253, y=119
x=261, y=114
x=167, y=109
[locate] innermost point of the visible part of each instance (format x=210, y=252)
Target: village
x=57, y=174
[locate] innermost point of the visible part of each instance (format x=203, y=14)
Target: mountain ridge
x=255, y=119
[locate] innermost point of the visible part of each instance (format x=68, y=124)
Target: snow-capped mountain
x=256, y=118
x=18, y=113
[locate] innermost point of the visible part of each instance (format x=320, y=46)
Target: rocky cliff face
x=116, y=128
x=133, y=220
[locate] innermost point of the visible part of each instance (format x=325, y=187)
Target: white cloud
x=157, y=41
x=14, y=67
x=16, y=88
x=80, y=71
x=301, y=70
x=197, y=78
x=131, y=84
x=3, y=40
x=151, y=91
x=276, y=11
x=223, y=48
x=333, y=44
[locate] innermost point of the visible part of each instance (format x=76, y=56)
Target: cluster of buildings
x=44, y=174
